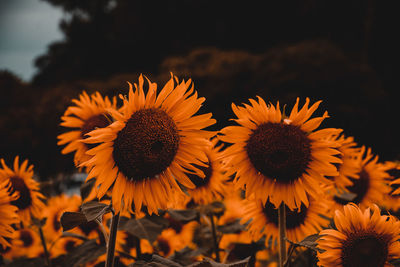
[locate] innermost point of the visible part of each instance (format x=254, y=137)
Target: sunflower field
x=273, y=188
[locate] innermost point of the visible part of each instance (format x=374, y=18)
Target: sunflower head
x=8, y=213
x=154, y=140
x=279, y=157
x=371, y=184
x=214, y=185
x=21, y=180
x=300, y=222
x=361, y=238
x=392, y=199
x=87, y=113
x=350, y=167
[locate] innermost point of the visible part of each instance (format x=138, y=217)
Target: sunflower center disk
x=279, y=151
x=294, y=218
x=26, y=238
x=360, y=188
x=97, y=121
x=25, y=199
x=147, y=144
x=366, y=250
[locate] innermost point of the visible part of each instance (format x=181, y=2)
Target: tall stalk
x=111, y=240
x=46, y=252
x=282, y=234
x=214, y=234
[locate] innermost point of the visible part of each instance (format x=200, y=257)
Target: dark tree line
x=337, y=51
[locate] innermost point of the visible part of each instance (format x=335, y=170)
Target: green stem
x=46, y=252
x=214, y=234
x=111, y=240
x=282, y=234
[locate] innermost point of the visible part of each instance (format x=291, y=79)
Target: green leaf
x=144, y=228
x=94, y=210
x=184, y=216
x=70, y=220
x=210, y=263
x=87, y=252
x=30, y=262
x=215, y=208
x=309, y=242
x=232, y=227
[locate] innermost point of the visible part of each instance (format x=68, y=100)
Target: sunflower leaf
x=144, y=228
x=215, y=208
x=184, y=216
x=70, y=220
x=93, y=210
x=85, y=253
x=308, y=242
x=210, y=263
x=232, y=227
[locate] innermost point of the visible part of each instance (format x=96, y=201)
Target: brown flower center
x=198, y=181
x=279, y=151
x=360, y=188
x=365, y=249
x=163, y=246
x=69, y=245
x=294, y=218
x=18, y=185
x=26, y=238
x=147, y=144
x=96, y=121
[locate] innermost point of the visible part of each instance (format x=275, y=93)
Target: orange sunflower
x=214, y=185
x=300, y=222
x=26, y=243
x=392, y=200
x=8, y=213
x=350, y=167
x=361, y=239
x=56, y=206
x=371, y=186
x=153, y=141
x=277, y=157
x=29, y=202
x=89, y=113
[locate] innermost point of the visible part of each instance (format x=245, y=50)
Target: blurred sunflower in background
x=371, y=185
x=8, y=213
x=392, y=200
x=300, y=222
x=88, y=113
x=214, y=185
x=361, y=239
x=277, y=157
x=350, y=166
x=56, y=206
x=153, y=141
x=26, y=243
x=29, y=201
x=64, y=245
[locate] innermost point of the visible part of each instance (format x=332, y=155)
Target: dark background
x=338, y=51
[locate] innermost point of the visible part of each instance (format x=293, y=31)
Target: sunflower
x=214, y=185
x=350, y=167
x=8, y=214
x=370, y=187
x=153, y=141
x=392, y=200
x=21, y=179
x=361, y=239
x=300, y=222
x=26, y=243
x=277, y=157
x=64, y=245
x=88, y=113
x=56, y=206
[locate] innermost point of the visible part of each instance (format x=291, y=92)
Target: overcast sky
x=26, y=28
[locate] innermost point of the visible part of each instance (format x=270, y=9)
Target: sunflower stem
x=103, y=231
x=292, y=248
x=111, y=240
x=46, y=252
x=282, y=234
x=138, y=248
x=214, y=234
